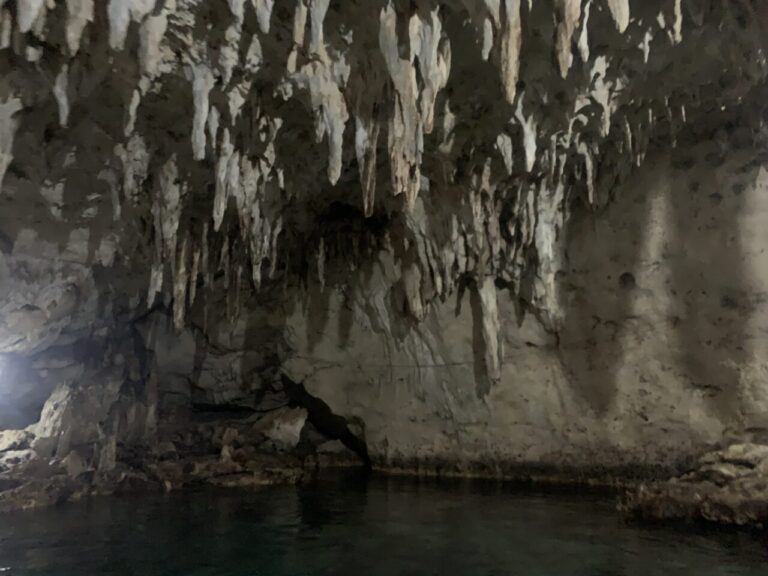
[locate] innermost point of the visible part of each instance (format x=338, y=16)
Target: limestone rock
x=730, y=486
x=15, y=440
x=283, y=426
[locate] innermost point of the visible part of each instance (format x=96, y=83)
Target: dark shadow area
x=324, y=420
x=690, y=205
x=709, y=278
x=596, y=290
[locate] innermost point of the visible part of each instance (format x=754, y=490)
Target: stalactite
x=6, y=28
x=193, y=276
x=201, y=87
x=121, y=13
x=263, y=13
x=27, y=11
x=79, y=15
x=8, y=124
x=169, y=206
x=584, y=35
x=493, y=176
x=405, y=138
x=367, y=128
x=226, y=153
x=180, y=285
x=205, y=261
x=324, y=78
x=212, y=126
x=134, y=157
x=491, y=327
x=511, y=45
x=321, y=263
x=677, y=25
x=60, y=88
x=432, y=50
x=505, y=148
x=229, y=56
x=568, y=15
x=412, y=285
x=620, y=11
x=529, y=135
x=151, y=34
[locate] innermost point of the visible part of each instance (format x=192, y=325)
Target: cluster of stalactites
x=407, y=89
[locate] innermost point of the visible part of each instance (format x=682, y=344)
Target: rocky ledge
x=729, y=486
x=279, y=448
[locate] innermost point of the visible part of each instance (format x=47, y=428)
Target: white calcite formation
x=279, y=166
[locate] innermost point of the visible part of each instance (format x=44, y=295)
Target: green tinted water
x=373, y=528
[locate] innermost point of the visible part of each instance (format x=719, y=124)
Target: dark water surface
x=358, y=528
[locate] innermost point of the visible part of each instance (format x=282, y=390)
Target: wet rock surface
x=729, y=486
x=237, y=456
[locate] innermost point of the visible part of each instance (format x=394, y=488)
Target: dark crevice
x=320, y=415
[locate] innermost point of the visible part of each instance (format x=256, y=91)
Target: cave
x=356, y=260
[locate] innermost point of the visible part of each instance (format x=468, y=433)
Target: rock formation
x=465, y=237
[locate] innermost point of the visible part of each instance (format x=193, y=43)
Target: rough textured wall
x=436, y=216
x=659, y=351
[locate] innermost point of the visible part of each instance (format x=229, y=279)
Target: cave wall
x=656, y=350
x=562, y=264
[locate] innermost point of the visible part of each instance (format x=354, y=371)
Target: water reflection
x=374, y=528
